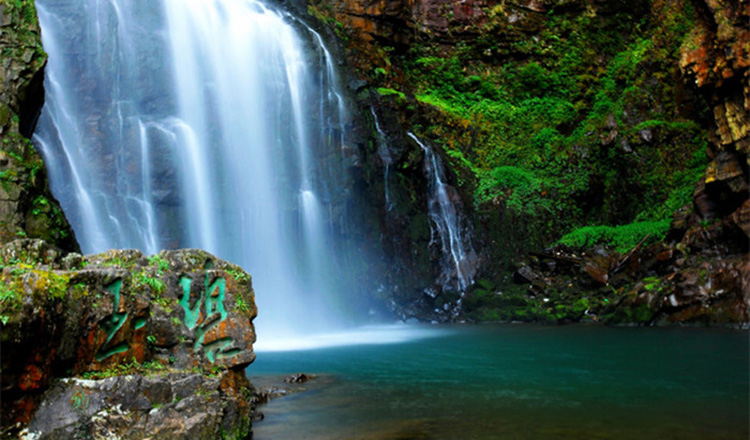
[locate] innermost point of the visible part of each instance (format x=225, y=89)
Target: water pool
x=515, y=382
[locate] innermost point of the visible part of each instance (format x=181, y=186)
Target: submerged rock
x=121, y=312
x=297, y=378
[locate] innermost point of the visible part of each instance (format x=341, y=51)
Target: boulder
x=67, y=315
x=174, y=405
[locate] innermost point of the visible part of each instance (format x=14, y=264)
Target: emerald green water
x=518, y=382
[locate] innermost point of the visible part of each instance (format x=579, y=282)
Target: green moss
x=238, y=274
x=641, y=314
x=239, y=432
x=582, y=129
x=384, y=91
x=623, y=238
x=127, y=368
x=22, y=281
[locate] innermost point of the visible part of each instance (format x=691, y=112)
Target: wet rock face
x=27, y=208
x=68, y=315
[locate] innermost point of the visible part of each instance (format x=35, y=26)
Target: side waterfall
x=459, y=258
x=384, y=153
x=215, y=124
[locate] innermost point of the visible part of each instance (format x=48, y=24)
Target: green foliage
x=127, y=368
x=520, y=189
x=40, y=204
x=238, y=274
x=383, y=91
x=623, y=238
x=241, y=306
x=582, y=129
x=117, y=262
x=142, y=279
x=42, y=285
x=24, y=8
x=160, y=263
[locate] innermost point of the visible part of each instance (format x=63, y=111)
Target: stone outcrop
x=176, y=315
x=27, y=208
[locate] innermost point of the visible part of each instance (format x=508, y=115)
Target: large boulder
x=67, y=315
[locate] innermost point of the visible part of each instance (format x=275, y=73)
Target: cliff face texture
x=617, y=129
x=27, y=209
x=124, y=344
x=715, y=56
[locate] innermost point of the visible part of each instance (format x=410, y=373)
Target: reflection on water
x=516, y=382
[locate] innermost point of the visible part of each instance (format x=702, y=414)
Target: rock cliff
x=715, y=56
x=580, y=122
x=27, y=208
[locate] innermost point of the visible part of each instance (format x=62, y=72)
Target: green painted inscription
x=214, y=313
x=112, y=325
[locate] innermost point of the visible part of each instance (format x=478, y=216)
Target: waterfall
x=459, y=258
x=384, y=152
x=215, y=124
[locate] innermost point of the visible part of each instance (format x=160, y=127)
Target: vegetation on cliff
x=580, y=123
x=570, y=122
x=27, y=209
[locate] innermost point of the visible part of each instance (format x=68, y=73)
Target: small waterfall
x=384, y=152
x=459, y=258
x=215, y=124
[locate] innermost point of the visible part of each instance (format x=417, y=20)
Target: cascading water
x=215, y=124
x=384, y=152
x=459, y=258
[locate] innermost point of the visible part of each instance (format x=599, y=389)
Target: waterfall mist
x=215, y=124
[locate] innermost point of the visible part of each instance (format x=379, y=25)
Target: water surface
x=517, y=382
